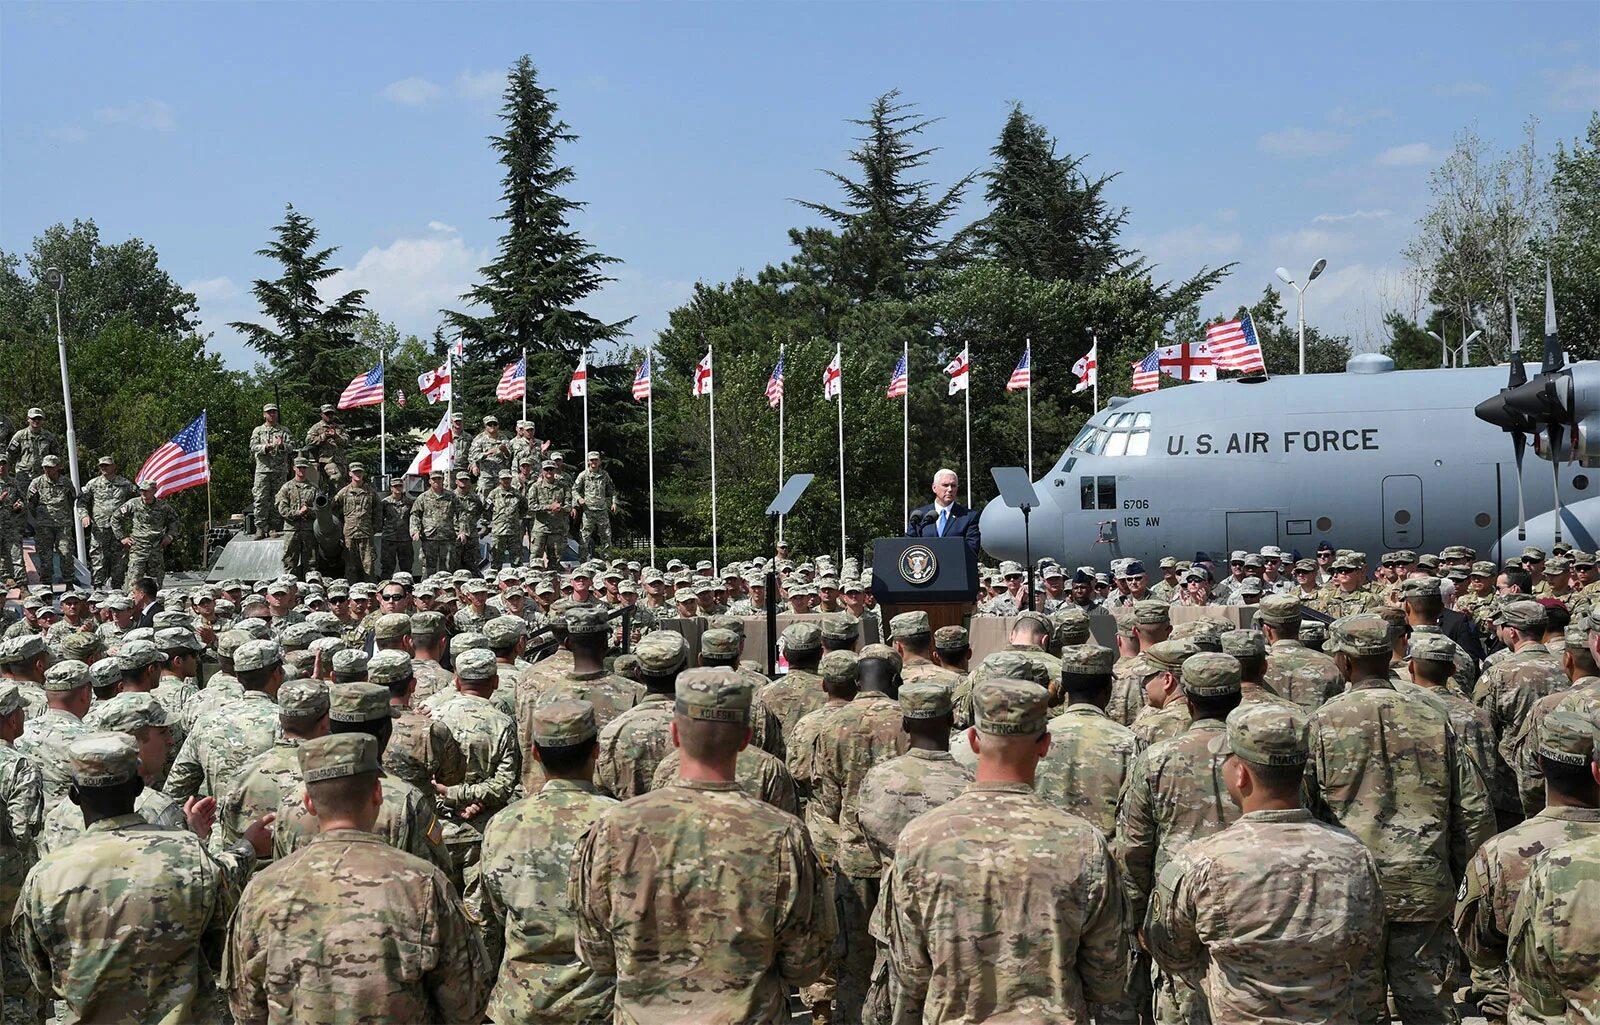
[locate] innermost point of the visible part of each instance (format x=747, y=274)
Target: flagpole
x=1094, y=347
x=966, y=357
x=905, y=436
x=838, y=353
x=383, y=431
x=650, y=447
x=712, y=396
x=450, y=401
x=525, y=391
x=1029, y=351
x=205, y=543
x=585, y=358
x=780, y=442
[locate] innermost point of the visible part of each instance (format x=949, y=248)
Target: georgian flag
x=436, y=451
x=1086, y=370
x=578, y=387
x=958, y=369
x=833, y=377
x=435, y=384
x=702, y=376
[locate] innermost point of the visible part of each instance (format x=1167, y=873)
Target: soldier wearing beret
x=159, y=892
x=698, y=917
x=215, y=753
x=1374, y=749
x=1000, y=905
x=1275, y=872
x=49, y=734
x=377, y=933
x=636, y=741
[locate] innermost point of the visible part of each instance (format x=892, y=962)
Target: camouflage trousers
x=504, y=550
x=108, y=560
x=51, y=540
x=547, y=546
x=395, y=557
x=854, y=897
x=439, y=556
x=470, y=555
x=818, y=996
x=1135, y=1006
x=145, y=559
x=1178, y=1003
x=594, y=537
x=11, y=565
x=360, y=559
x=299, y=549
x=1415, y=960
x=22, y=1003
x=262, y=492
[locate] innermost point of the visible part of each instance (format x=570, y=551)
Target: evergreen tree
x=1572, y=245
x=545, y=269
x=313, y=344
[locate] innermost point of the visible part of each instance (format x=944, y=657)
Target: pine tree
x=545, y=269
x=314, y=339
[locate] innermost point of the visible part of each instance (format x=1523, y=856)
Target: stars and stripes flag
x=363, y=390
x=400, y=397
x=513, y=381
x=181, y=463
x=900, y=381
x=833, y=377
x=641, y=380
x=702, y=376
x=1147, y=373
x=775, y=384
x=1234, y=345
x=578, y=387
x=1086, y=370
x=436, y=451
x=1022, y=377
x=1187, y=361
x=959, y=371
x=435, y=384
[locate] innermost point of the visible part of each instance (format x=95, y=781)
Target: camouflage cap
x=883, y=653
x=563, y=724
x=393, y=626
x=1576, y=635
x=924, y=699
x=1581, y=559
x=179, y=640
x=427, y=626
x=1249, y=585
x=662, y=653
x=1211, y=674
x=1432, y=647
x=462, y=643
x=1421, y=587
x=298, y=636
x=22, y=649
x=103, y=759
x=1279, y=609
x=389, y=668
x=338, y=755
x=716, y=695
x=1524, y=615
x=504, y=631
x=839, y=628
x=839, y=667
x=1170, y=655
x=1087, y=660
x=1150, y=612
x=1244, y=643
x=1557, y=567
x=1305, y=566
x=105, y=673
x=1072, y=626
x=801, y=637
x=1567, y=737
x=1533, y=553
x=1363, y=634
x=586, y=620
x=1263, y=734
x=303, y=699
x=951, y=638
x=733, y=623
x=1485, y=569
x=81, y=645
x=476, y=664
x=66, y=675
x=127, y=712
x=254, y=655
x=10, y=698
x=1008, y=707
x=350, y=662
x=133, y=656
x=720, y=643
x=1015, y=665
x=357, y=702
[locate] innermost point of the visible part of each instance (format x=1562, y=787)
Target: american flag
x=1086, y=369
x=400, y=397
x=900, y=381
x=1234, y=345
x=1147, y=373
x=775, y=384
x=641, y=381
x=578, y=387
x=702, y=376
x=833, y=377
x=513, y=381
x=180, y=463
x=959, y=371
x=363, y=390
x=1022, y=377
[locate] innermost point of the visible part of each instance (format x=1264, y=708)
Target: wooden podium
x=936, y=575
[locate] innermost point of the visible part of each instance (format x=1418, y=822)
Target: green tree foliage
x=545, y=270
x=1571, y=244
x=1279, y=335
x=310, y=342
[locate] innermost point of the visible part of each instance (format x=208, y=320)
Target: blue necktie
x=944, y=517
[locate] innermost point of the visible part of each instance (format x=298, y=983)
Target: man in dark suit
x=944, y=516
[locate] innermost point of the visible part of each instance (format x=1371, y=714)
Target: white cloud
x=1576, y=88
x=1354, y=117
x=222, y=301
x=1304, y=244
x=67, y=133
x=411, y=279
x=448, y=229
x=1301, y=142
x=154, y=115
x=1411, y=154
x=1354, y=215
x=1461, y=89
x=214, y=289
x=411, y=92
x=1183, y=249
x=480, y=85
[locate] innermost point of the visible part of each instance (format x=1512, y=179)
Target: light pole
x=58, y=282
x=1444, y=348
x=1300, y=291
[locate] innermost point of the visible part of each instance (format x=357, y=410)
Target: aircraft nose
x=1001, y=527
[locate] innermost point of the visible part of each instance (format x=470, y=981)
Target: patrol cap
x=1244, y=643
x=662, y=653
x=1265, y=734
x=798, y=637
x=357, y=702
x=389, y=668
x=1556, y=567
x=10, y=698
x=1211, y=674
x=476, y=664
x=176, y=640
x=1014, y=665
x=1524, y=615
x=839, y=627
x=135, y=655
x=1279, y=609
x=103, y=759
x=1168, y=562
x=1170, y=655
x=1533, y=553
x=35, y=413
x=1305, y=566
x=1420, y=587
x=304, y=699
x=563, y=724
x=1252, y=560
x=1363, y=634
x=106, y=461
x=1071, y=626
x=1053, y=572
x=82, y=646
x=951, y=638
x=128, y=712
x=50, y=461
x=910, y=626
x=302, y=462
x=1007, y=707
x=721, y=643
x=504, y=631
x=881, y=652
x=1567, y=737
x=1087, y=660
x=462, y=643
x=1151, y=612
x=349, y=662
x=713, y=695
x=393, y=626
x=1432, y=647
x=338, y=755
x=924, y=699
x=427, y=626
x=1485, y=569
x=1249, y=585
x=1345, y=563
x=1576, y=636
x=66, y=675
x=1581, y=559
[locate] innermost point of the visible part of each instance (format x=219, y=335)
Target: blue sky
x=1263, y=133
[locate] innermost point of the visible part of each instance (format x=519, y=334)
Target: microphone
x=918, y=521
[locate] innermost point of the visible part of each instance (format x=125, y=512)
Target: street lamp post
x=1445, y=352
x=58, y=282
x=1300, y=292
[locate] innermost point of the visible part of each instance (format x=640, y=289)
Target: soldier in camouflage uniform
x=1090, y=754
x=98, y=504
x=296, y=502
x=1294, y=671
x=523, y=903
x=158, y=895
x=911, y=633
x=13, y=517
x=1508, y=690
x=270, y=447
x=266, y=778
x=596, y=495
x=506, y=511
x=421, y=749
x=525, y=448
x=1029, y=635
x=28, y=448
x=1479, y=601
x=1276, y=872
x=395, y=554
x=436, y=523
x=1390, y=770
x=145, y=527
x=1347, y=594
x=549, y=503
x=213, y=756
x=50, y=501
x=1428, y=674
x=490, y=453
x=470, y=517
x=325, y=447
x=637, y=740
x=141, y=717
x=999, y=906
x=49, y=734
x=799, y=690
x=359, y=513
x=378, y=934
x=1165, y=715
x=1500, y=868
x=586, y=680
x=698, y=917
x=1150, y=624
x=22, y=791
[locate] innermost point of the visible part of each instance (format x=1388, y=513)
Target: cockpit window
x=1123, y=434
x=1116, y=443
x=1139, y=442
x=1141, y=420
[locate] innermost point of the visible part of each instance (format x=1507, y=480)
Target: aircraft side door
x=1402, y=512
x=1251, y=531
